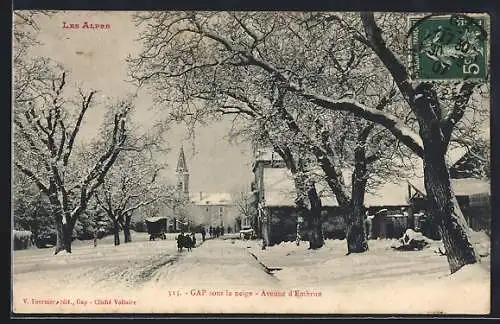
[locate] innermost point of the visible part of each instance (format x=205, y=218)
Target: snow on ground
x=382, y=280
x=98, y=268
x=235, y=276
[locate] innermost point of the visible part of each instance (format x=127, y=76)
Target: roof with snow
x=279, y=190
x=217, y=198
x=155, y=219
x=461, y=187
x=453, y=155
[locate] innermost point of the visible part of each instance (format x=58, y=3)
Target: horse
x=184, y=241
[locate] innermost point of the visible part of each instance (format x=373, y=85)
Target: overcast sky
x=96, y=60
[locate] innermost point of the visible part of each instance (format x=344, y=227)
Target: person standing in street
x=193, y=240
x=180, y=241
x=203, y=233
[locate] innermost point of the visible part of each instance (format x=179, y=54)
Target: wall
x=281, y=224
x=211, y=215
x=477, y=211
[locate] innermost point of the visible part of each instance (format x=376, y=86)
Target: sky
x=96, y=60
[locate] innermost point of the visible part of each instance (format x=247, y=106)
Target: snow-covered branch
x=396, y=68
x=389, y=121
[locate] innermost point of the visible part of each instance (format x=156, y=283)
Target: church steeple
x=181, y=162
x=182, y=175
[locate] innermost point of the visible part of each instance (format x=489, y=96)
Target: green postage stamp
x=449, y=47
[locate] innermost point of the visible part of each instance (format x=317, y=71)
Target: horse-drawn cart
x=157, y=227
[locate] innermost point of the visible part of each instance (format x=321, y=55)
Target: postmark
x=449, y=47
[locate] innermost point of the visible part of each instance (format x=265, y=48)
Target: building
x=278, y=216
x=214, y=209
x=473, y=196
x=203, y=210
x=470, y=186
x=391, y=207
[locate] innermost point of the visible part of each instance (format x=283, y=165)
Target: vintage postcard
x=250, y=162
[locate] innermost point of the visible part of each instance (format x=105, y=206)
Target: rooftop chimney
x=201, y=195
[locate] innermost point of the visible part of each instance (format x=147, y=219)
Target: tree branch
x=33, y=177
x=389, y=121
x=398, y=71
x=458, y=110
x=84, y=106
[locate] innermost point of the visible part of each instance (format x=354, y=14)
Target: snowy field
x=236, y=276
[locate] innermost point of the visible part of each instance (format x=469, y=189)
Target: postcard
x=250, y=162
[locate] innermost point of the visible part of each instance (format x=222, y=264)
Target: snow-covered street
x=237, y=276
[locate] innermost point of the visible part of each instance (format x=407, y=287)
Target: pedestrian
x=222, y=230
x=180, y=241
x=193, y=239
x=203, y=233
x=217, y=231
x=188, y=243
x=229, y=229
x=211, y=232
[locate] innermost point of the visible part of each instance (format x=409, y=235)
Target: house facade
x=391, y=208
x=280, y=220
x=214, y=209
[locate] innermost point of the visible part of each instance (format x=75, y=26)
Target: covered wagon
x=157, y=227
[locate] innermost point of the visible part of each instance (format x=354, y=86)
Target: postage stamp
x=449, y=47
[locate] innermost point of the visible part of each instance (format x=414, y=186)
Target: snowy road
x=223, y=276
x=216, y=263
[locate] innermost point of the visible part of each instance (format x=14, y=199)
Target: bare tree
x=228, y=86
x=246, y=207
x=293, y=51
x=47, y=123
x=25, y=29
x=131, y=184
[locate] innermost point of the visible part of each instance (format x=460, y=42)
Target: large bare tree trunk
x=316, y=240
x=64, y=236
x=356, y=231
x=64, y=230
x=116, y=231
x=312, y=209
x=356, y=236
x=444, y=210
x=446, y=214
x=126, y=229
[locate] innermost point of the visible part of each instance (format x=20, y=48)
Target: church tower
x=182, y=176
